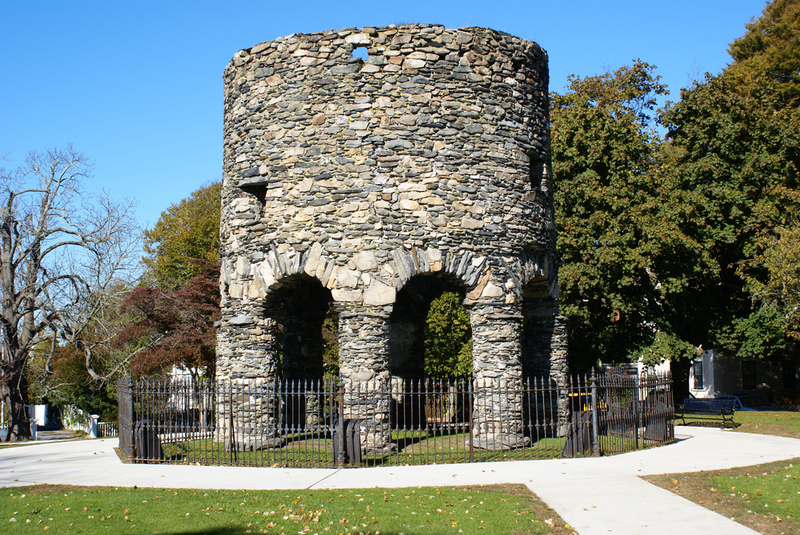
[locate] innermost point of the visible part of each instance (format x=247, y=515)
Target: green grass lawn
x=313, y=451
x=764, y=497
x=412, y=448
x=508, y=509
x=781, y=423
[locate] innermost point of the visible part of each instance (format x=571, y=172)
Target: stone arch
x=407, y=339
x=299, y=306
x=469, y=269
x=275, y=301
x=255, y=276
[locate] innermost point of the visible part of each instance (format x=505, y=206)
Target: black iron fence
x=392, y=421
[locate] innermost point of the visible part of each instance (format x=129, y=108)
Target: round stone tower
x=366, y=170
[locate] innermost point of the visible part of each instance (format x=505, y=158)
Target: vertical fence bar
x=636, y=412
x=470, y=429
x=339, y=432
x=595, y=426
x=231, y=430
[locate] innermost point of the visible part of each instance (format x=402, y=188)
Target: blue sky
x=137, y=86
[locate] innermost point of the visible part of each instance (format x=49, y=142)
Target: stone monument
x=364, y=171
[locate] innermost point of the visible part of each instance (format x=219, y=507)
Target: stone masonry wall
x=430, y=156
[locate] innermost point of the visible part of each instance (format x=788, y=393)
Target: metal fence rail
x=329, y=423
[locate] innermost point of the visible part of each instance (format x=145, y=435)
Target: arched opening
x=430, y=330
x=307, y=338
x=308, y=350
x=430, y=352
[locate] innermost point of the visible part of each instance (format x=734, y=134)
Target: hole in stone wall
x=537, y=171
x=361, y=53
x=259, y=190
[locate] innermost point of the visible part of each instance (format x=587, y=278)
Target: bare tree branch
x=61, y=252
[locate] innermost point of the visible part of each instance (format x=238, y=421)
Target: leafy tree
x=62, y=253
x=175, y=328
x=59, y=378
x=773, y=279
x=735, y=143
x=185, y=231
x=448, y=338
x=624, y=253
x=668, y=245
x=761, y=334
x=665, y=346
x=771, y=47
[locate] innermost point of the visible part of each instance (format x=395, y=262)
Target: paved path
x=593, y=495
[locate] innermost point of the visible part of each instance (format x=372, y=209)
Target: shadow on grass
x=243, y=530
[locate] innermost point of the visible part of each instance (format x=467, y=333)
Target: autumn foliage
x=175, y=327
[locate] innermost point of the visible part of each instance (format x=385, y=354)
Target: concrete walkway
x=593, y=495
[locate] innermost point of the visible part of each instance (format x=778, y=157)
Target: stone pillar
x=544, y=348
x=559, y=369
x=497, y=376
x=364, y=370
x=248, y=411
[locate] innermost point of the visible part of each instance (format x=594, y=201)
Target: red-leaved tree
x=175, y=328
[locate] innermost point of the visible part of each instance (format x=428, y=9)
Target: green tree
x=771, y=48
x=623, y=250
x=186, y=231
x=777, y=290
x=448, y=338
x=58, y=377
x=735, y=143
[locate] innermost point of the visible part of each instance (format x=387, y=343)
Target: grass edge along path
x=496, y=509
x=780, y=423
x=763, y=497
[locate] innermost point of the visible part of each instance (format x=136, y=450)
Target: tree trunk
x=15, y=396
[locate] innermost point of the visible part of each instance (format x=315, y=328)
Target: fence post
x=232, y=454
x=637, y=417
x=125, y=417
x=471, y=422
x=340, y=428
x=595, y=430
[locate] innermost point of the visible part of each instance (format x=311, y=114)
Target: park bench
x=708, y=409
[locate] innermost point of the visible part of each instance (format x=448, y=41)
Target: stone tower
x=366, y=170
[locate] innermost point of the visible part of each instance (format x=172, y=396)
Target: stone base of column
x=367, y=402
x=499, y=441
x=248, y=416
x=376, y=439
x=364, y=370
x=248, y=442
